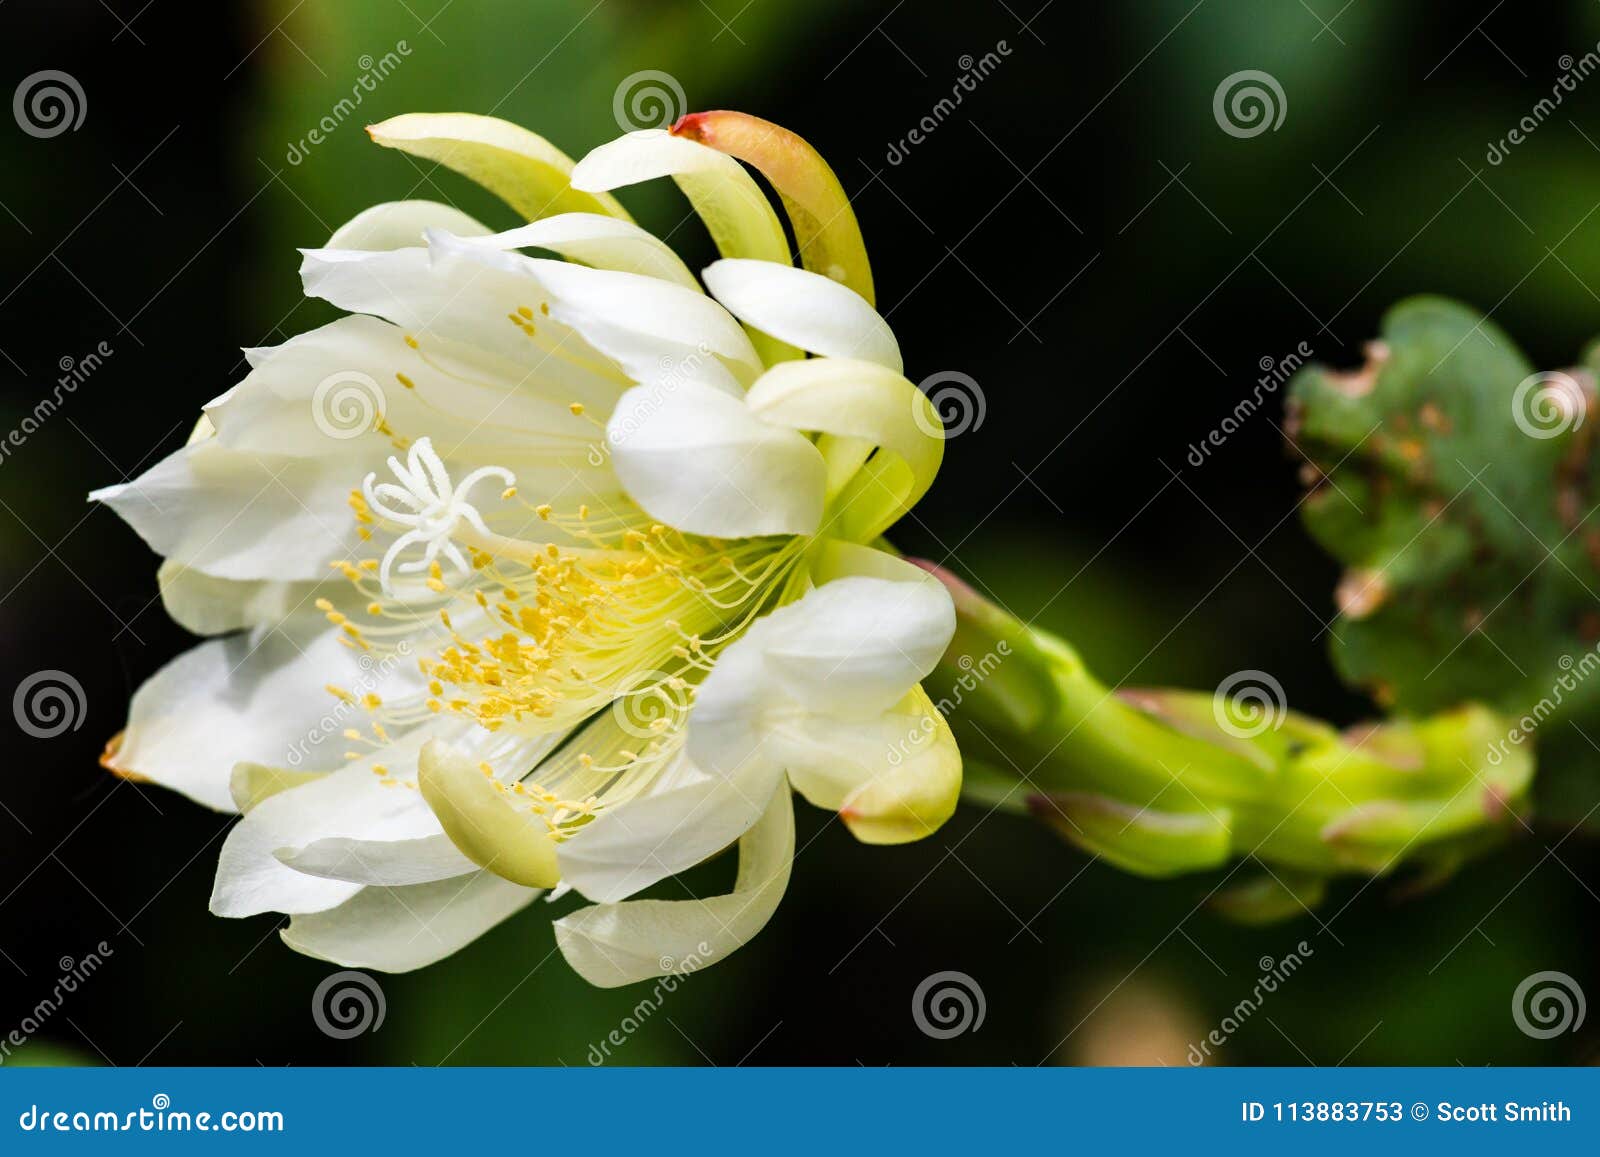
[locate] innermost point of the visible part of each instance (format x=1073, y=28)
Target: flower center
x=432, y=509
x=527, y=637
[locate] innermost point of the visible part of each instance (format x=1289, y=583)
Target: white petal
x=388, y=863
x=258, y=698
x=804, y=309
x=861, y=404
x=602, y=242
x=352, y=805
x=205, y=605
x=615, y=944
x=735, y=211
x=399, y=929
x=892, y=779
x=827, y=690
x=641, y=841
x=399, y=224
x=477, y=310
x=240, y=515
x=852, y=648
x=650, y=327
x=698, y=460
x=321, y=393
x=737, y=214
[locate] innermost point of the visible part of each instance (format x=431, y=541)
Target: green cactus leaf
x=1458, y=489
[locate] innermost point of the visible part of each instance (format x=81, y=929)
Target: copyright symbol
x=1419, y=1111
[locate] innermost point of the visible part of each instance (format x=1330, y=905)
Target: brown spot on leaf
x=1359, y=383
x=1360, y=592
x=1433, y=418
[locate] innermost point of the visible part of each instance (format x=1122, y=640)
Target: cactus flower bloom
x=537, y=573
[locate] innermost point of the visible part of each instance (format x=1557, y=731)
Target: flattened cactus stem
x=1003, y=682
x=1161, y=782
x=825, y=225
x=993, y=671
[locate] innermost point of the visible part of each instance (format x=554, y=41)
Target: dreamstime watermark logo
x=957, y=399
x=650, y=99
x=973, y=674
x=1248, y=103
x=372, y=73
x=1273, y=974
x=347, y=1004
x=73, y=974
x=348, y=404
x=1574, y=672
x=1249, y=703
x=1547, y=405
x=373, y=673
x=1274, y=373
x=671, y=372
x=948, y=1004
x=648, y=703
x=973, y=70
x=1548, y=1004
x=49, y=703
x=673, y=972
x=74, y=372
x=49, y=103
x=1572, y=72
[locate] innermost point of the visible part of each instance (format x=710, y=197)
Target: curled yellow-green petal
x=523, y=169
x=919, y=792
x=480, y=818
x=868, y=403
x=825, y=225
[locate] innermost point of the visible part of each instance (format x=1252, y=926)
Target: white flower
x=433, y=702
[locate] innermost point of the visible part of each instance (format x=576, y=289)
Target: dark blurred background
x=1080, y=236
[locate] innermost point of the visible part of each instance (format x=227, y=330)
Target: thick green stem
x=1166, y=782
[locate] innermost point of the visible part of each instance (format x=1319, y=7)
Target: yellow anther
x=405, y=381
x=577, y=409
